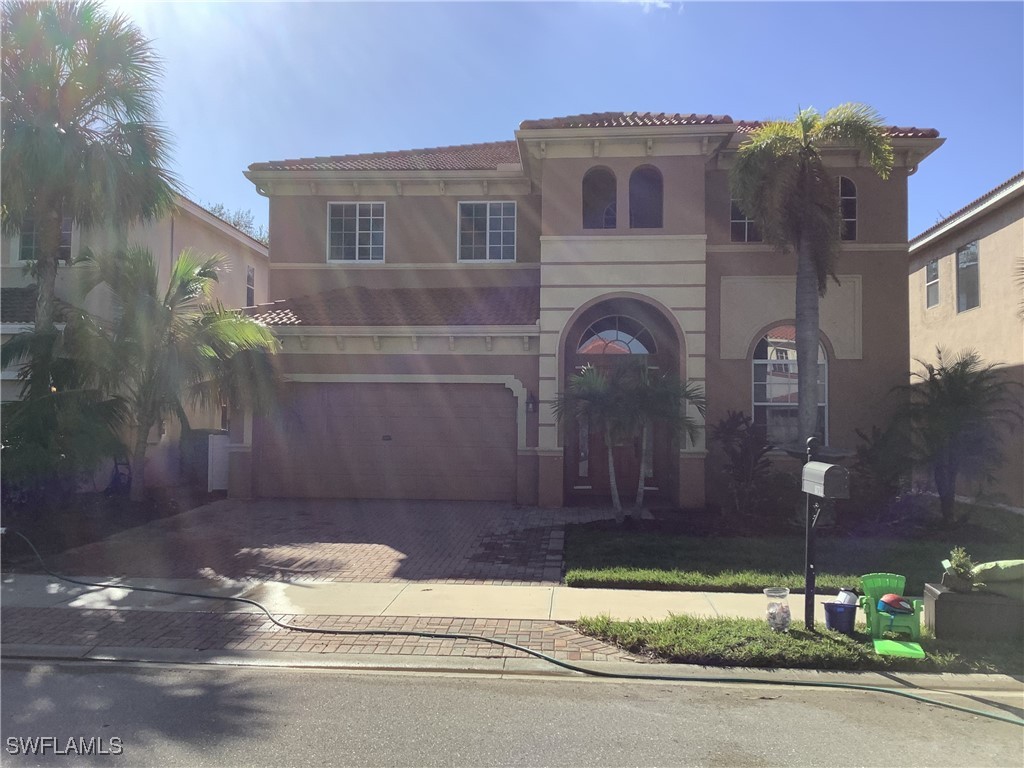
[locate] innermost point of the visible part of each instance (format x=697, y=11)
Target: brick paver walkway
x=254, y=632
x=367, y=541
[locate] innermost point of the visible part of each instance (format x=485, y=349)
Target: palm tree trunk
x=48, y=232
x=645, y=458
x=807, y=333
x=612, y=481
x=138, y=465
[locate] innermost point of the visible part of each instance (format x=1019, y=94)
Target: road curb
x=505, y=667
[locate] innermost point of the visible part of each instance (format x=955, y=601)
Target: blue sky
x=248, y=82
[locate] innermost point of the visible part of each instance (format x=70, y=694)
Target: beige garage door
x=390, y=441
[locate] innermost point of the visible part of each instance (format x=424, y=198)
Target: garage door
x=390, y=441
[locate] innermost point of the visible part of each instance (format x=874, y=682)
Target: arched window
x=848, y=207
x=645, y=198
x=617, y=335
x=776, y=387
x=599, y=199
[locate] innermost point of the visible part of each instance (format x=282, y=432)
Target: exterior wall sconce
x=531, y=403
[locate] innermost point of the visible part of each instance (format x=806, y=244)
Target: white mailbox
x=827, y=481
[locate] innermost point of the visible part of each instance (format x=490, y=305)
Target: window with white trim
x=848, y=208
x=250, y=286
x=743, y=228
x=355, y=232
x=487, y=231
x=931, y=283
x=967, y=282
x=776, y=387
x=28, y=240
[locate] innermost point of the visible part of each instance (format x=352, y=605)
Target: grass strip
x=638, y=560
x=751, y=643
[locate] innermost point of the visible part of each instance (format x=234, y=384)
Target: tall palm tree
x=781, y=181
x=79, y=131
x=957, y=411
x=166, y=348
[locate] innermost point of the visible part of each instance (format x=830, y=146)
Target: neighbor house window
x=599, y=199
x=356, y=232
x=645, y=198
x=744, y=230
x=28, y=248
x=250, y=286
x=487, y=231
x=776, y=387
x=967, y=277
x=848, y=208
x=931, y=283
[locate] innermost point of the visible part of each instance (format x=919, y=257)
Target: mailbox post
x=819, y=481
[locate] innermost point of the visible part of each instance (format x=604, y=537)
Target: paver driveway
x=322, y=540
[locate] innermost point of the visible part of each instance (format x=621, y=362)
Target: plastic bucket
x=840, y=617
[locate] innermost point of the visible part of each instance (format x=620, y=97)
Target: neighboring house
x=244, y=283
x=432, y=303
x=966, y=292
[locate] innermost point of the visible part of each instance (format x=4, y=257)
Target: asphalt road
x=163, y=715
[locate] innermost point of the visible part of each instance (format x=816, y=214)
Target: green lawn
x=637, y=560
x=751, y=643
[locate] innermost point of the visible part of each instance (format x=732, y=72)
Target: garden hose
x=529, y=651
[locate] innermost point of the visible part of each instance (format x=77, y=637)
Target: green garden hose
x=529, y=651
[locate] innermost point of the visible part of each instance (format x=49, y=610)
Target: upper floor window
x=967, y=293
x=617, y=335
x=487, y=231
x=356, y=232
x=645, y=198
x=29, y=244
x=599, y=199
x=776, y=387
x=931, y=283
x=848, y=208
x=250, y=286
x=744, y=230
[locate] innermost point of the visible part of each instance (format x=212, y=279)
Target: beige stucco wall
x=165, y=238
x=420, y=243
x=993, y=328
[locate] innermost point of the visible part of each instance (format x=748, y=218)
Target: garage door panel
x=393, y=440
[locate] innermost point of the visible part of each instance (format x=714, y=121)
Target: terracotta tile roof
x=625, y=120
x=466, y=157
x=18, y=305
x=405, y=307
x=895, y=131
x=967, y=209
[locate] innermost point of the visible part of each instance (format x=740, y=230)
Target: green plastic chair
x=875, y=586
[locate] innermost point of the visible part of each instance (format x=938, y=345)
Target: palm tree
x=79, y=131
x=956, y=412
x=781, y=182
x=592, y=396
x=659, y=398
x=171, y=347
x=51, y=443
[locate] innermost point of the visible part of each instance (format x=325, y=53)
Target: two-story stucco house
x=243, y=283
x=966, y=293
x=432, y=303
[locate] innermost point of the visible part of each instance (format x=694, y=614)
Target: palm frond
x=861, y=127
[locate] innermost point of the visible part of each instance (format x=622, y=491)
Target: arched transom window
x=617, y=335
x=776, y=387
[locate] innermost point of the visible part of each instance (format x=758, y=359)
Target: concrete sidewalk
x=411, y=599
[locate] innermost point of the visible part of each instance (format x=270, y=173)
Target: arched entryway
x=603, y=336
